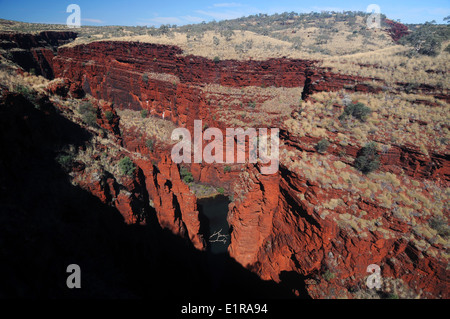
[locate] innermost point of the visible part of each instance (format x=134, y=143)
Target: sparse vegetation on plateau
x=427, y=39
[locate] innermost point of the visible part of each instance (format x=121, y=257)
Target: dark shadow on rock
x=292, y=281
x=46, y=223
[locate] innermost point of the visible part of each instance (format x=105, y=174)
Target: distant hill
x=289, y=34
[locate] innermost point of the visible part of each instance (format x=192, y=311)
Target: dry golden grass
x=11, y=79
x=408, y=200
x=151, y=126
x=244, y=45
x=339, y=39
x=396, y=119
x=262, y=47
x=390, y=65
x=251, y=106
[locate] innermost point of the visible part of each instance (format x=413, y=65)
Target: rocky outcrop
x=396, y=30
x=175, y=204
x=277, y=227
x=35, y=52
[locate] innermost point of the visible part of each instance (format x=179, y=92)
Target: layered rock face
x=161, y=79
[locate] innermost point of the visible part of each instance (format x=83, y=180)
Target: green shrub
x=251, y=104
x=150, y=145
x=90, y=119
x=186, y=176
x=328, y=275
x=144, y=113
x=368, y=160
x=65, y=160
x=26, y=91
x=126, y=165
x=227, y=169
x=109, y=116
x=440, y=225
x=216, y=59
x=322, y=146
x=88, y=113
x=221, y=190
x=358, y=111
x=145, y=77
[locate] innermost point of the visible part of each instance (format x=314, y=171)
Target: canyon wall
x=275, y=219
x=276, y=223
x=161, y=79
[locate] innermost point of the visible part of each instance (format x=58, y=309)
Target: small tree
x=322, y=146
x=368, y=160
x=328, y=275
x=145, y=77
x=109, y=116
x=227, y=169
x=144, y=113
x=186, y=176
x=216, y=59
x=65, y=160
x=358, y=111
x=150, y=145
x=126, y=165
x=88, y=113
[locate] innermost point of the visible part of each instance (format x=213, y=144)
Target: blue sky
x=141, y=12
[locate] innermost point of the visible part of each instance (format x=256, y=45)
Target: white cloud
x=222, y=15
x=92, y=20
x=171, y=20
